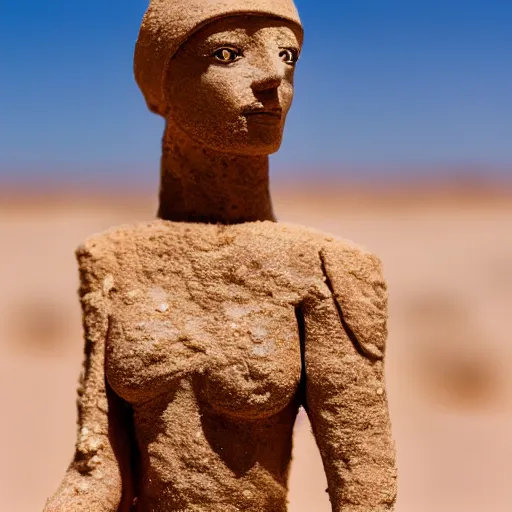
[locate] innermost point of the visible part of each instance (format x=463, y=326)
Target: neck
x=202, y=185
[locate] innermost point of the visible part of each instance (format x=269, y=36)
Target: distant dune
x=446, y=189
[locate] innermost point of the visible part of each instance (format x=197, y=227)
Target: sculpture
x=208, y=328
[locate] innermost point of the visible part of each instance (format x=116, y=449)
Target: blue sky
x=382, y=84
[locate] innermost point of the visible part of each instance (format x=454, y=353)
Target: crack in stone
x=299, y=315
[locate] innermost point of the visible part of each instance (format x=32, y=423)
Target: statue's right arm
x=93, y=481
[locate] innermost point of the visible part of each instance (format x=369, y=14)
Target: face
x=230, y=86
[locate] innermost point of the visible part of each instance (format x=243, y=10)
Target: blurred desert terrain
x=448, y=260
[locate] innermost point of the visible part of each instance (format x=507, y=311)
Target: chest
x=227, y=327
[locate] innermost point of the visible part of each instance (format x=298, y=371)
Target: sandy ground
x=449, y=371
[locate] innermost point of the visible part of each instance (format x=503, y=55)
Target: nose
x=267, y=83
x=267, y=78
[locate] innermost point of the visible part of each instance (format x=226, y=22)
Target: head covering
x=168, y=23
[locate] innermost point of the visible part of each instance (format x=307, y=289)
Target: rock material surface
x=207, y=329
x=213, y=336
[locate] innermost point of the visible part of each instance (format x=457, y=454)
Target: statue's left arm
x=344, y=345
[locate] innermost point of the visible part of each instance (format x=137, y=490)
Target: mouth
x=274, y=113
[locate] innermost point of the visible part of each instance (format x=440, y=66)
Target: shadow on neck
x=201, y=185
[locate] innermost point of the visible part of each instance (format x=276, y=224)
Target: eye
x=289, y=55
x=227, y=54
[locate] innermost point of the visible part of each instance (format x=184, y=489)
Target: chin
x=265, y=142
x=270, y=149
x=247, y=148
x=256, y=140
x=256, y=149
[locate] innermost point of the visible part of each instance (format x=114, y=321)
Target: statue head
x=221, y=71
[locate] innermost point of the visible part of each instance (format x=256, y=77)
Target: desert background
x=399, y=138
x=447, y=252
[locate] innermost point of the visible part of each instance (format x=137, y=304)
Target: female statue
x=207, y=329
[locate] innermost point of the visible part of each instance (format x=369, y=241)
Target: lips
x=274, y=113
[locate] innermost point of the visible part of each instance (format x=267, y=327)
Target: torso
x=204, y=343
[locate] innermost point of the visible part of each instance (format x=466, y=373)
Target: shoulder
x=104, y=254
x=355, y=278
x=129, y=252
x=127, y=233
x=340, y=255
x=112, y=244
x=332, y=248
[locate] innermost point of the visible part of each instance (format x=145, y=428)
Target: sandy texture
x=206, y=330
x=215, y=336
x=224, y=119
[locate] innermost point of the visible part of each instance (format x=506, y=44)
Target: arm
x=345, y=334
x=92, y=482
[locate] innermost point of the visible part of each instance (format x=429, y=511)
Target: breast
x=244, y=357
x=254, y=369
x=155, y=340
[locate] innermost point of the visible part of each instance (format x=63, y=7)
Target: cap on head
x=168, y=23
